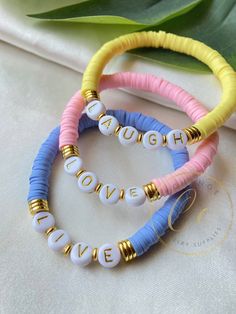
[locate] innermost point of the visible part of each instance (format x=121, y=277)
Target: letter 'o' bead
x=135, y=196
x=81, y=254
x=152, y=140
x=94, y=109
x=128, y=135
x=109, y=194
x=73, y=164
x=176, y=139
x=87, y=182
x=107, y=125
x=108, y=255
x=43, y=221
x=58, y=239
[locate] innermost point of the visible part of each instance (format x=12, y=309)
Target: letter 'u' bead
x=135, y=196
x=43, y=221
x=128, y=135
x=109, y=255
x=176, y=139
x=81, y=254
x=87, y=182
x=107, y=125
x=72, y=165
x=58, y=239
x=94, y=109
x=109, y=194
x=152, y=140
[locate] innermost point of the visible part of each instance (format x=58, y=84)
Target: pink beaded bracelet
x=170, y=183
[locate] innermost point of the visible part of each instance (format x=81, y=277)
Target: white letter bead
x=58, y=239
x=176, y=139
x=107, y=125
x=81, y=254
x=135, y=196
x=94, y=109
x=152, y=140
x=73, y=164
x=108, y=255
x=109, y=194
x=128, y=135
x=87, y=182
x=43, y=221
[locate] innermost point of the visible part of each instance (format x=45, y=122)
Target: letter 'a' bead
x=108, y=255
x=58, y=239
x=43, y=221
x=128, y=135
x=87, y=182
x=73, y=164
x=81, y=254
x=109, y=194
x=94, y=109
x=107, y=125
x=152, y=140
x=176, y=139
x=135, y=196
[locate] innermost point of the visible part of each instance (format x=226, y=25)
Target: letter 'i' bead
x=152, y=140
x=87, y=182
x=94, y=109
x=109, y=194
x=135, y=196
x=43, y=221
x=58, y=240
x=128, y=135
x=81, y=254
x=109, y=255
x=107, y=125
x=176, y=139
x=72, y=165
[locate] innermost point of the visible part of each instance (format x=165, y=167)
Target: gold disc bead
x=69, y=151
x=37, y=206
x=78, y=174
x=98, y=187
x=67, y=249
x=91, y=95
x=117, y=130
x=164, y=143
x=95, y=254
x=140, y=138
x=127, y=251
x=151, y=191
x=193, y=134
x=50, y=230
x=122, y=194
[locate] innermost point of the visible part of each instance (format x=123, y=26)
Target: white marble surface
x=180, y=275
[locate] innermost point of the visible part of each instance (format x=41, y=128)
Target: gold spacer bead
x=122, y=194
x=90, y=95
x=37, y=206
x=164, y=140
x=140, y=138
x=98, y=187
x=78, y=174
x=127, y=251
x=67, y=249
x=151, y=191
x=50, y=230
x=194, y=135
x=95, y=254
x=69, y=151
x=117, y=130
x=100, y=116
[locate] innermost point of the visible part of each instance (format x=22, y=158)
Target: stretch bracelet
x=108, y=255
x=166, y=185
x=222, y=70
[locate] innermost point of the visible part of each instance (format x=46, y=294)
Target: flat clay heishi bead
x=152, y=140
x=176, y=139
x=73, y=164
x=94, y=109
x=135, y=196
x=87, y=182
x=58, y=239
x=43, y=221
x=109, y=194
x=128, y=135
x=107, y=125
x=108, y=255
x=81, y=254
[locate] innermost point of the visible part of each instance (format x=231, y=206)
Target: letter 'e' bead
x=108, y=255
x=152, y=140
x=135, y=196
x=43, y=221
x=107, y=125
x=94, y=109
x=81, y=254
x=128, y=135
x=176, y=139
x=87, y=182
x=58, y=239
x=73, y=164
x=109, y=194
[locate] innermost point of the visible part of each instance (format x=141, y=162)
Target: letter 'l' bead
x=43, y=221
x=152, y=140
x=109, y=255
x=176, y=139
x=109, y=194
x=73, y=164
x=58, y=240
x=94, y=109
x=128, y=135
x=87, y=182
x=107, y=125
x=81, y=254
x=135, y=196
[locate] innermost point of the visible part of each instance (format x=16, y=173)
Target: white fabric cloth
x=73, y=44
x=34, y=279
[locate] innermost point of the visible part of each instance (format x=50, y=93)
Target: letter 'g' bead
x=128, y=135
x=73, y=164
x=94, y=109
x=109, y=194
x=43, y=221
x=108, y=255
x=135, y=196
x=176, y=139
x=87, y=182
x=152, y=140
x=107, y=125
x=81, y=254
x=58, y=239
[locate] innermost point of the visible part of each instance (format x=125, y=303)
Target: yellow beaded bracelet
x=221, y=69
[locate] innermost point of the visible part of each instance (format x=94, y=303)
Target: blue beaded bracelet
x=108, y=255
